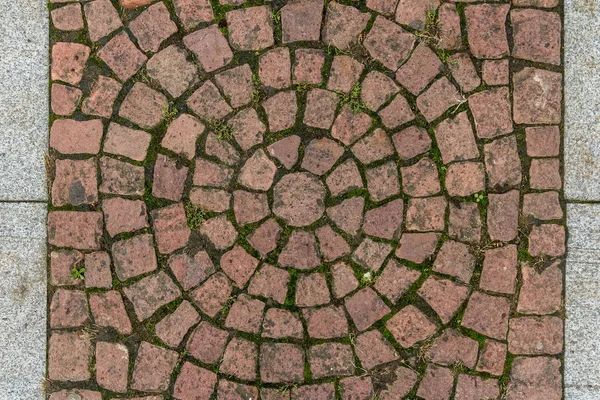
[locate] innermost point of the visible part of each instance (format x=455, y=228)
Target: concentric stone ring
x=294, y=201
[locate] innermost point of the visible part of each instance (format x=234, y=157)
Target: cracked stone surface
x=305, y=201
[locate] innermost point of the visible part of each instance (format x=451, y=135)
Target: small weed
x=352, y=99
x=287, y=388
x=90, y=332
x=423, y=352
x=366, y=279
x=273, y=137
x=480, y=198
x=332, y=50
x=195, y=215
x=50, y=166
x=256, y=80
x=436, y=156
x=169, y=112
x=276, y=16
x=483, y=246
x=225, y=310
x=257, y=94
x=302, y=87
x=222, y=129
x=444, y=57
x=49, y=386
x=458, y=367
x=432, y=34
x=77, y=273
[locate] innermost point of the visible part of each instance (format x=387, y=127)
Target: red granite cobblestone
x=365, y=308
x=64, y=99
x=172, y=70
x=122, y=56
x=112, y=363
x=72, y=365
x=76, y=137
x=62, y=263
x=151, y=293
x=444, y=296
x=97, y=270
x=305, y=201
x=372, y=349
x=108, y=310
x=207, y=343
x=75, y=182
x=236, y=83
x=409, y=326
x=464, y=222
x=279, y=324
x=452, y=347
x=67, y=18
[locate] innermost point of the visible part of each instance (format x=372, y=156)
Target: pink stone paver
x=172, y=70
x=64, y=99
x=68, y=62
x=102, y=97
x=68, y=136
x=305, y=200
x=67, y=18
x=207, y=343
x=75, y=182
x=102, y=19
x=122, y=56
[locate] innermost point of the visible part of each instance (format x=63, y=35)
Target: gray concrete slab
x=582, y=99
x=582, y=354
x=585, y=393
x=23, y=295
x=23, y=99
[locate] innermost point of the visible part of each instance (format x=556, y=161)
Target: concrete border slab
x=582, y=101
x=23, y=305
x=582, y=354
x=23, y=99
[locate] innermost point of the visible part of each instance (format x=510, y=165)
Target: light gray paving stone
x=583, y=393
x=23, y=300
x=23, y=99
x=582, y=99
x=582, y=342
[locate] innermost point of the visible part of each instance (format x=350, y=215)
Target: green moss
x=169, y=112
x=153, y=203
x=222, y=129
x=307, y=373
x=352, y=99
x=272, y=137
x=225, y=310
x=290, y=300
x=302, y=88
x=257, y=94
x=220, y=13
x=195, y=215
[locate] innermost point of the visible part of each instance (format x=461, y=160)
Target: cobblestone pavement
x=349, y=200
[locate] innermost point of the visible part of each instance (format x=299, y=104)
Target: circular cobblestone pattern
x=307, y=201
